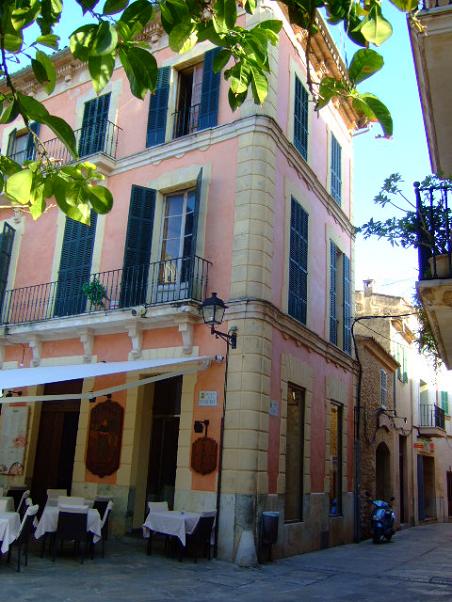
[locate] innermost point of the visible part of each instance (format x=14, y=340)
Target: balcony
x=107, y=293
x=100, y=139
x=432, y=421
x=186, y=120
x=435, y=264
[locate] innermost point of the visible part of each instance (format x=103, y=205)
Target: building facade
x=254, y=205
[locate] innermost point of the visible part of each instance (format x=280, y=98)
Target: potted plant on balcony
x=95, y=292
x=425, y=225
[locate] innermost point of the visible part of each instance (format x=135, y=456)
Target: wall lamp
x=213, y=310
x=200, y=425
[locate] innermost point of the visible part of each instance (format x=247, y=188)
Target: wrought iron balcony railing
x=432, y=415
x=431, y=4
x=433, y=229
x=98, y=138
x=169, y=281
x=186, y=120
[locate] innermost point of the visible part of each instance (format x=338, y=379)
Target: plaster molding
x=186, y=330
x=87, y=340
x=135, y=333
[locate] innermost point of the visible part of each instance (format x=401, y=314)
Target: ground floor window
x=294, y=453
x=335, y=436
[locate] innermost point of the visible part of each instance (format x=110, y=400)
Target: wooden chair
x=23, y=537
x=72, y=526
x=18, y=493
x=198, y=542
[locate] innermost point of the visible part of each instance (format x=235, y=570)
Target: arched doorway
x=382, y=472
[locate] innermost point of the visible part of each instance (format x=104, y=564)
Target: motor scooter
x=382, y=520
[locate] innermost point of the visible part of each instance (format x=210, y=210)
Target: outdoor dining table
x=171, y=522
x=9, y=529
x=48, y=523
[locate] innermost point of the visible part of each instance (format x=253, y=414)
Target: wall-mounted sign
x=13, y=439
x=274, y=408
x=105, y=436
x=425, y=445
x=208, y=398
x=204, y=453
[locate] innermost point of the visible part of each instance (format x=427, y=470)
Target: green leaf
x=328, y=89
x=111, y=7
x=221, y=60
x=82, y=40
x=18, y=186
x=137, y=16
x=12, y=41
x=101, y=70
x=365, y=62
x=230, y=13
x=87, y=4
x=106, y=39
x=34, y=109
x=101, y=198
x=180, y=34
x=10, y=113
x=250, y=6
x=44, y=70
x=64, y=132
x=24, y=13
x=375, y=110
x=405, y=6
x=375, y=28
x=50, y=40
x=259, y=85
x=142, y=74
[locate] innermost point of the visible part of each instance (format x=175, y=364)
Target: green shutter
x=210, y=92
x=158, y=109
x=383, y=388
x=75, y=266
x=10, y=149
x=137, y=252
x=336, y=170
x=6, y=249
x=94, y=125
x=404, y=365
x=347, y=292
x=333, y=289
x=300, y=135
x=445, y=401
x=298, y=262
x=31, y=146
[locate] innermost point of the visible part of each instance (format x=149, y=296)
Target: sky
x=393, y=269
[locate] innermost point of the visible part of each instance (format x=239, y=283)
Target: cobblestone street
x=417, y=565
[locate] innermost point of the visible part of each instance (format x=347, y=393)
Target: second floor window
x=6, y=249
x=340, y=299
x=186, y=117
x=336, y=170
x=94, y=130
x=298, y=262
x=21, y=144
x=300, y=120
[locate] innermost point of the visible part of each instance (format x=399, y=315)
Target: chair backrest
x=26, y=526
x=72, y=525
x=203, y=529
x=70, y=500
x=23, y=503
x=100, y=505
x=158, y=506
x=17, y=494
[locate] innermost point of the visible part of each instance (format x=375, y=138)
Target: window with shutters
x=335, y=465
x=93, y=135
x=336, y=170
x=383, y=388
x=186, y=117
x=21, y=144
x=6, y=248
x=401, y=357
x=293, y=504
x=298, y=262
x=445, y=401
x=300, y=134
x=340, y=296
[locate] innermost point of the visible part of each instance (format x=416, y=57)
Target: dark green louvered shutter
x=31, y=146
x=158, y=109
x=333, y=289
x=347, y=292
x=137, y=252
x=6, y=249
x=210, y=92
x=11, y=143
x=298, y=262
x=404, y=366
x=94, y=125
x=190, y=263
x=336, y=170
x=75, y=266
x=300, y=134
x=445, y=401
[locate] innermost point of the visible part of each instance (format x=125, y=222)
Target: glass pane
x=172, y=227
x=191, y=197
x=170, y=248
x=174, y=205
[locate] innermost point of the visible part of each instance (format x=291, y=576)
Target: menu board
x=13, y=439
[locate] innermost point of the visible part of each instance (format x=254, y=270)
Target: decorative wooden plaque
x=204, y=453
x=105, y=436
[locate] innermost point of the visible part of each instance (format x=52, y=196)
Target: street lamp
x=212, y=313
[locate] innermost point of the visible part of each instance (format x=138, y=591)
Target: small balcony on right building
x=432, y=420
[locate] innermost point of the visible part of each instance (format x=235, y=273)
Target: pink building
x=254, y=205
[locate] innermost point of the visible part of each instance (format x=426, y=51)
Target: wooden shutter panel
x=298, y=262
x=333, y=287
x=347, y=291
x=210, y=93
x=11, y=143
x=445, y=401
x=336, y=170
x=301, y=119
x=383, y=388
x=158, y=109
x=75, y=266
x=31, y=147
x=94, y=125
x=6, y=249
x=137, y=252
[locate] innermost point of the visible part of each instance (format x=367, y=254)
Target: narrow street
x=416, y=566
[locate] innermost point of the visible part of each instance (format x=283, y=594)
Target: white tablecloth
x=171, y=522
x=9, y=529
x=48, y=522
x=6, y=503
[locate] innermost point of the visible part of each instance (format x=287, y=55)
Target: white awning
x=27, y=377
